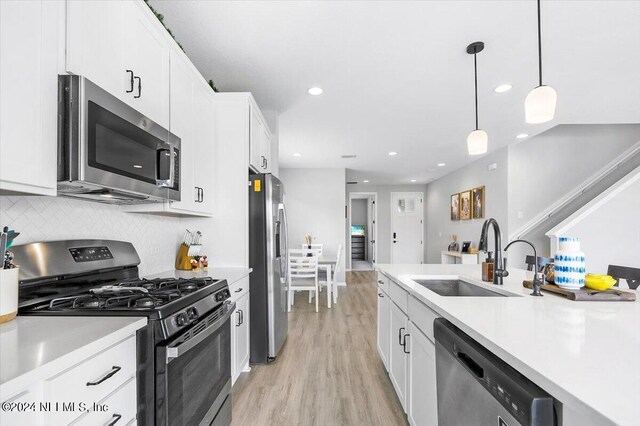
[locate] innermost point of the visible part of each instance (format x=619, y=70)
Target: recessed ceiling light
x=413, y=180
x=392, y=153
x=441, y=164
x=522, y=136
x=315, y=91
x=365, y=181
x=297, y=154
x=137, y=166
x=503, y=88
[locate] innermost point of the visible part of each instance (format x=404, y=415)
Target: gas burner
x=142, y=302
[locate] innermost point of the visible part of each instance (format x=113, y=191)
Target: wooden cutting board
x=588, y=294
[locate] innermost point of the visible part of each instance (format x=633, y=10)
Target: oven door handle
x=174, y=352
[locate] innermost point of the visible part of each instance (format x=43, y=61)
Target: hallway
x=329, y=371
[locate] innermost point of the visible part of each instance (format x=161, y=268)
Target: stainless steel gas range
x=184, y=353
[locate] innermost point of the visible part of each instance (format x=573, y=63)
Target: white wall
x=315, y=203
x=543, y=168
x=439, y=224
x=359, y=212
x=383, y=220
x=608, y=227
x=156, y=238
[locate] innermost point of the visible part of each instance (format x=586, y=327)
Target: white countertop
x=230, y=274
x=585, y=354
x=37, y=347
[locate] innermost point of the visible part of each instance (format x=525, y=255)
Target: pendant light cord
x=539, y=47
x=475, y=72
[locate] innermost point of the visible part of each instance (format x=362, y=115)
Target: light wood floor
x=328, y=372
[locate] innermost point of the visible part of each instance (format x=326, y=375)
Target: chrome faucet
x=499, y=270
x=538, y=281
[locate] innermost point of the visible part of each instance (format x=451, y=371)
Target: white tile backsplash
x=156, y=238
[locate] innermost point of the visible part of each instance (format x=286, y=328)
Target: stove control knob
x=192, y=313
x=182, y=319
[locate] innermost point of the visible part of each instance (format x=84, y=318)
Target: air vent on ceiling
x=353, y=182
x=348, y=156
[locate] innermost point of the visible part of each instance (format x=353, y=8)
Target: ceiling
x=396, y=75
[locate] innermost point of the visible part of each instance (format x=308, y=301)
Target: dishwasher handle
x=471, y=365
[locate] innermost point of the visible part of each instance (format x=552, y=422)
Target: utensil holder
x=183, y=261
x=8, y=294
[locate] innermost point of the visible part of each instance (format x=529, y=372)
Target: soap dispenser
x=487, y=268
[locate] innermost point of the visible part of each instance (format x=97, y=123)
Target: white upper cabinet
x=146, y=53
x=29, y=34
x=259, y=140
x=192, y=120
x=115, y=45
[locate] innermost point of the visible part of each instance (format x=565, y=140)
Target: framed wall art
x=465, y=205
x=455, y=207
x=477, y=202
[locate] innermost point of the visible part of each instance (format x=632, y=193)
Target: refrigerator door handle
x=284, y=238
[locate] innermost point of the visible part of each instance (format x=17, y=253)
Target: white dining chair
x=315, y=248
x=303, y=275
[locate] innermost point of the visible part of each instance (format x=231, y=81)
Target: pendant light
x=540, y=104
x=477, y=140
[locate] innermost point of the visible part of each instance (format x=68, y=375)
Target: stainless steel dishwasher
x=475, y=387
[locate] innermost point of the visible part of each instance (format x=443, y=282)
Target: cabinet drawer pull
x=139, y=87
x=110, y=374
x=238, y=323
x=380, y=282
x=131, y=75
x=116, y=417
x=380, y=295
x=400, y=335
x=201, y=195
x=404, y=344
x=238, y=290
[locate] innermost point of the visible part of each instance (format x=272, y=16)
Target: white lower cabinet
x=383, y=326
x=240, y=328
x=97, y=390
x=422, y=402
x=406, y=347
x=398, y=357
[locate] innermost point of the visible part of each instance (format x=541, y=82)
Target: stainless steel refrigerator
x=268, y=258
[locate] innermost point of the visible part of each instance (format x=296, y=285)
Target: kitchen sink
x=457, y=288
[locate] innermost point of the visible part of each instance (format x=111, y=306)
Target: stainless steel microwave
x=109, y=152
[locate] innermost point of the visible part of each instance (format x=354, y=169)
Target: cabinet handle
x=139, y=87
x=266, y=163
x=380, y=282
x=116, y=417
x=113, y=371
x=197, y=200
x=238, y=323
x=241, y=317
x=131, y=75
x=238, y=290
x=404, y=344
x=380, y=295
x=400, y=335
x=201, y=195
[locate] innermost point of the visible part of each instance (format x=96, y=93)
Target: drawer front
x=398, y=295
x=92, y=380
x=383, y=282
x=119, y=408
x=239, y=288
x=422, y=316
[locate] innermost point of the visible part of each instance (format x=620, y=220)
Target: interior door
x=406, y=227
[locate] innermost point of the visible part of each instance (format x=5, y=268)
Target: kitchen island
x=585, y=354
